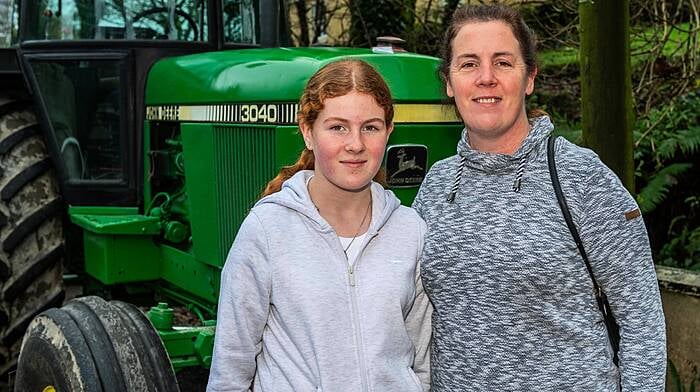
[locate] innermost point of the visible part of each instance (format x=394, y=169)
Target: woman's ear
x=530, y=86
x=448, y=89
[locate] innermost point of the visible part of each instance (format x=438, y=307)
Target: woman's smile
x=487, y=100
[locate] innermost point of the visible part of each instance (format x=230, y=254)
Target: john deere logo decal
x=406, y=165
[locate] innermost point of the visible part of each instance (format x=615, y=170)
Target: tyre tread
x=100, y=345
x=19, y=135
x=80, y=375
x=16, y=330
x=38, y=266
x=14, y=105
x=21, y=179
x=31, y=224
x=155, y=357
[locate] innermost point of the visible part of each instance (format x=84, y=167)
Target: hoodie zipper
x=355, y=309
x=351, y=275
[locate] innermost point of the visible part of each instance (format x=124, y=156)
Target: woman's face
x=488, y=79
x=348, y=140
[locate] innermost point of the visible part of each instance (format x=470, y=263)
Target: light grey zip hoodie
x=291, y=318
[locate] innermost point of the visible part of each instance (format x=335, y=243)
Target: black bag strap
x=599, y=294
x=601, y=299
x=565, y=210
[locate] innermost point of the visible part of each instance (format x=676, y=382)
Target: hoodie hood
x=295, y=195
x=540, y=128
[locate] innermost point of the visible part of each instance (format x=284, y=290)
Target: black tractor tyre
x=156, y=363
x=124, y=352
x=55, y=354
x=31, y=227
x=126, y=347
x=97, y=339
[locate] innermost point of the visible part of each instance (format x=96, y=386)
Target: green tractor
x=134, y=138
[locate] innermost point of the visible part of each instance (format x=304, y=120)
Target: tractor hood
x=279, y=74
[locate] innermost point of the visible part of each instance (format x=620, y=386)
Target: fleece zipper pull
x=351, y=276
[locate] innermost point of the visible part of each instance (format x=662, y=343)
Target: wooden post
x=606, y=84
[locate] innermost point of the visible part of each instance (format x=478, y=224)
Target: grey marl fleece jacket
x=514, y=308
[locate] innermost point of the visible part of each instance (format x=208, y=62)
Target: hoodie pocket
x=415, y=379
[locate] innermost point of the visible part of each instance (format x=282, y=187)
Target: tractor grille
x=245, y=161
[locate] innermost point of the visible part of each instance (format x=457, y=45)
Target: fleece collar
x=540, y=128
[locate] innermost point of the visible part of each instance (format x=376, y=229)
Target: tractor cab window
x=85, y=107
x=240, y=21
x=182, y=20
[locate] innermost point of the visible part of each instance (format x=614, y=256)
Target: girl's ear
x=306, y=134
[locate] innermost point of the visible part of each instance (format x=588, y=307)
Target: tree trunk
x=606, y=84
x=303, y=22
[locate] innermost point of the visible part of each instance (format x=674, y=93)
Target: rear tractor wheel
x=31, y=233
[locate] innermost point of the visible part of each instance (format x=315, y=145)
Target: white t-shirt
x=354, y=250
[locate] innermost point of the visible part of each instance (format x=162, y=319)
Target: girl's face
x=348, y=140
x=488, y=79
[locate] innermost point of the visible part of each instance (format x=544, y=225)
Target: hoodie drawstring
x=519, y=175
x=458, y=180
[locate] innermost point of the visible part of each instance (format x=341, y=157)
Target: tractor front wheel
x=112, y=347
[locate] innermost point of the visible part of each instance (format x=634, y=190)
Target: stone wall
x=680, y=293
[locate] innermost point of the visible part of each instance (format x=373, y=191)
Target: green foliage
x=683, y=249
x=676, y=382
x=687, y=141
x=664, y=138
x=563, y=57
x=570, y=130
x=674, y=45
x=667, y=157
x=659, y=184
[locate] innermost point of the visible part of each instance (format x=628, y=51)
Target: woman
x=514, y=308
x=321, y=288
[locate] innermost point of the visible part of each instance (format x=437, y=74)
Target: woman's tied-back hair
x=335, y=80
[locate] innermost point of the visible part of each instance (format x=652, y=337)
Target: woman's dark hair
x=335, y=80
x=489, y=13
